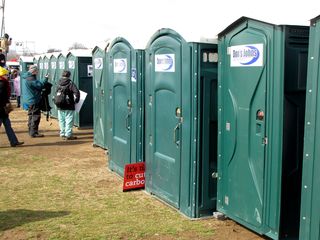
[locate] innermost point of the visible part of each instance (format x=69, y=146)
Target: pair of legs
x=18, y=101
x=9, y=131
x=66, y=120
x=34, y=116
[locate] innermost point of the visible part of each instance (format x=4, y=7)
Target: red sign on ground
x=134, y=176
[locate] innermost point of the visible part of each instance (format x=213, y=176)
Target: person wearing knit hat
x=5, y=93
x=32, y=97
x=33, y=68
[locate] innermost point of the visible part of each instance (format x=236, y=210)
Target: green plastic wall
x=310, y=191
x=99, y=97
x=262, y=76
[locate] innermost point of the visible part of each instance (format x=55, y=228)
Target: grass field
x=54, y=189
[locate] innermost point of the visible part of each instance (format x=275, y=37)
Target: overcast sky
x=44, y=24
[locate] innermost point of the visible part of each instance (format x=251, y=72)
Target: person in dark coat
x=2, y=59
x=5, y=93
x=32, y=97
x=66, y=113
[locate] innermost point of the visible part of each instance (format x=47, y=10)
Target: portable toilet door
x=40, y=66
x=310, y=192
x=201, y=198
x=53, y=75
x=46, y=66
x=262, y=77
x=99, y=97
x=176, y=74
x=60, y=67
x=166, y=52
x=124, y=96
x=79, y=63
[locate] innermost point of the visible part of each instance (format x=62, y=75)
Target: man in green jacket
x=32, y=97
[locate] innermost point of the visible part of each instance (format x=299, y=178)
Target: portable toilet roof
x=26, y=58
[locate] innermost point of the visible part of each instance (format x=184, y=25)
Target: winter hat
x=66, y=73
x=33, y=68
x=3, y=71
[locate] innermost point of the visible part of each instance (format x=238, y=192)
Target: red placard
x=133, y=176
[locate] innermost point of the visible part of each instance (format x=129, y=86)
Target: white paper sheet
x=78, y=105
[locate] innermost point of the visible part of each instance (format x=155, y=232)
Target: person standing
x=5, y=92
x=32, y=97
x=16, y=84
x=2, y=59
x=5, y=43
x=66, y=111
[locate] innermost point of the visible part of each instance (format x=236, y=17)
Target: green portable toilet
x=39, y=62
x=262, y=81
x=310, y=192
x=61, y=61
x=79, y=63
x=40, y=65
x=181, y=122
x=35, y=60
x=60, y=67
x=25, y=62
x=99, y=97
x=125, y=105
x=46, y=65
x=53, y=78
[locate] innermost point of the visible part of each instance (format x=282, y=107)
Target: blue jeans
x=10, y=133
x=65, y=122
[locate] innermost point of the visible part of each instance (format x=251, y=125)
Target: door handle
x=128, y=118
x=176, y=134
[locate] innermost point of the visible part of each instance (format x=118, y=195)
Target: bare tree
x=51, y=50
x=77, y=45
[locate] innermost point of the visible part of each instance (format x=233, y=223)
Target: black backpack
x=61, y=99
x=44, y=103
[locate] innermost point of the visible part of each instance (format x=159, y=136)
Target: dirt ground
x=82, y=149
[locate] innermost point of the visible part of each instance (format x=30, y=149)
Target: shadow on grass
x=16, y=217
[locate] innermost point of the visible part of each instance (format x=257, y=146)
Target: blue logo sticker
x=133, y=75
x=122, y=66
x=165, y=63
x=251, y=55
x=168, y=63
